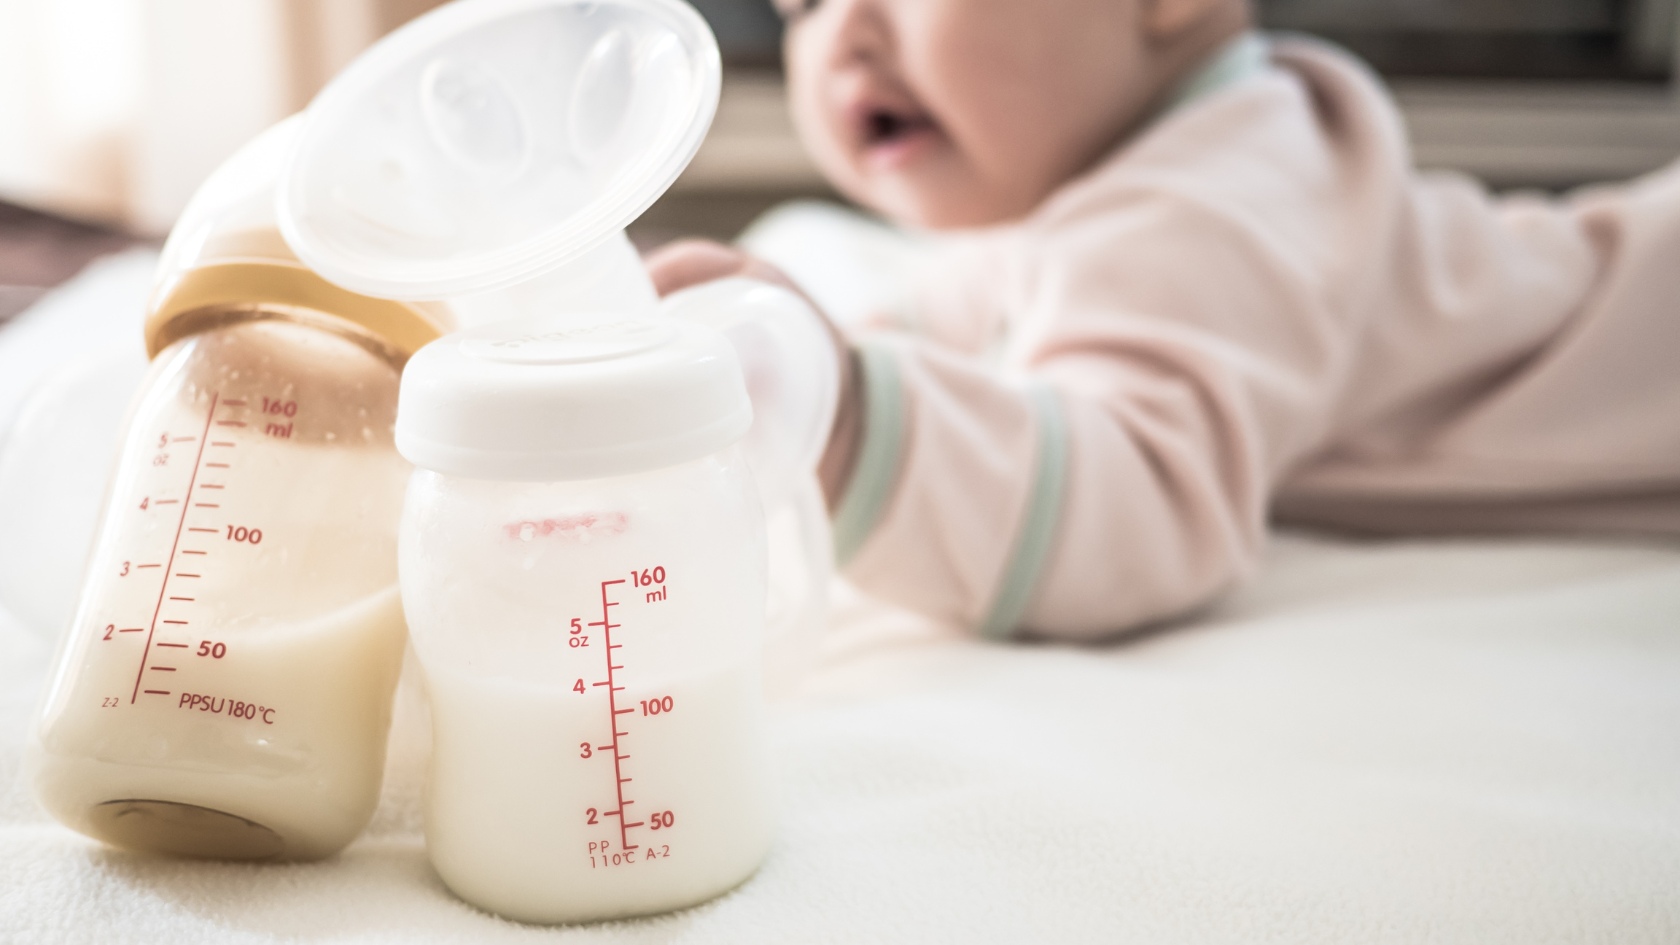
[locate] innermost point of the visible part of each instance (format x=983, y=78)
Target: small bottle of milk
x=582, y=563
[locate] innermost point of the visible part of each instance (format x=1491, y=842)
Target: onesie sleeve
x=1115, y=470
x=956, y=470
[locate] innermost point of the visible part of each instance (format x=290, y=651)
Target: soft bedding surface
x=1470, y=741
x=1406, y=742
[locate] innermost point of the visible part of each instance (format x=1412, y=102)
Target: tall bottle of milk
x=582, y=559
x=225, y=689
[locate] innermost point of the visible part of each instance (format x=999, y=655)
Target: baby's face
x=953, y=113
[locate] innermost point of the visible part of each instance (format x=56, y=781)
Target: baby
x=1200, y=286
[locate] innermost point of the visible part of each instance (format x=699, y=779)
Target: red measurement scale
x=618, y=756
x=197, y=525
x=171, y=578
x=619, y=722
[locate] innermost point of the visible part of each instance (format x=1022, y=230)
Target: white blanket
x=1471, y=742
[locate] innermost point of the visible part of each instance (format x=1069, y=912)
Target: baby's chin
x=935, y=200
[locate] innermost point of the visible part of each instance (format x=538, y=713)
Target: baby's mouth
x=883, y=127
x=891, y=136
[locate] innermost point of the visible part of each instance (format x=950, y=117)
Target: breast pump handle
x=790, y=367
x=787, y=357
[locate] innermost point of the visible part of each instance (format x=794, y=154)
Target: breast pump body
x=792, y=379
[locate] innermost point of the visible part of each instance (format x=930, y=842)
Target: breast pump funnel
x=491, y=153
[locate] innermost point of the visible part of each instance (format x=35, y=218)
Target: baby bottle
x=583, y=568
x=225, y=688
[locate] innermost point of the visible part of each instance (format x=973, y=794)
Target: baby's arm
x=1115, y=471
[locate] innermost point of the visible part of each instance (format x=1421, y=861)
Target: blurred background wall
x=112, y=111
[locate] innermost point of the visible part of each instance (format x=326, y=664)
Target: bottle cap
x=570, y=397
x=489, y=141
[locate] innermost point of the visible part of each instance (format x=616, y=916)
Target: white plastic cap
x=570, y=397
x=490, y=141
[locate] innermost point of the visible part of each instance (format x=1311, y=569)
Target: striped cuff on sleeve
x=876, y=471
x=1038, y=525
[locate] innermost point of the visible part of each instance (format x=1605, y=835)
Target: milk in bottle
x=583, y=569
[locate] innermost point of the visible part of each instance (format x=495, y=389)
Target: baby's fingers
x=685, y=263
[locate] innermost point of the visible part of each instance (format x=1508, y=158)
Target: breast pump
x=225, y=689
x=583, y=552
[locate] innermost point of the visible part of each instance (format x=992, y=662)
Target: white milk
x=290, y=735
x=512, y=797
x=538, y=610
x=225, y=689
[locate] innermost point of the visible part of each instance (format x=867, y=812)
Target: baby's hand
x=686, y=263
x=679, y=265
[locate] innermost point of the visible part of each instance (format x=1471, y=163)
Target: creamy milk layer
x=290, y=735
x=240, y=629
x=522, y=817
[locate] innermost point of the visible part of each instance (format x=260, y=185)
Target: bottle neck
x=219, y=294
x=211, y=317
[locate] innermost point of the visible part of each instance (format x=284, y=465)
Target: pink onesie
x=1258, y=309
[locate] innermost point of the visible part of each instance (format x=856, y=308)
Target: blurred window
x=1630, y=40
x=749, y=32
x=1501, y=39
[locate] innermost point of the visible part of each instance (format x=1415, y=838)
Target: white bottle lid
x=489, y=141
x=570, y=397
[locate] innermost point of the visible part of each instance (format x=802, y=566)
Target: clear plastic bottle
x=225, y=687
x=583, y=569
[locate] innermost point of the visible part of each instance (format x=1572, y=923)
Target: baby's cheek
x=813, y=114
x=1029, y=92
